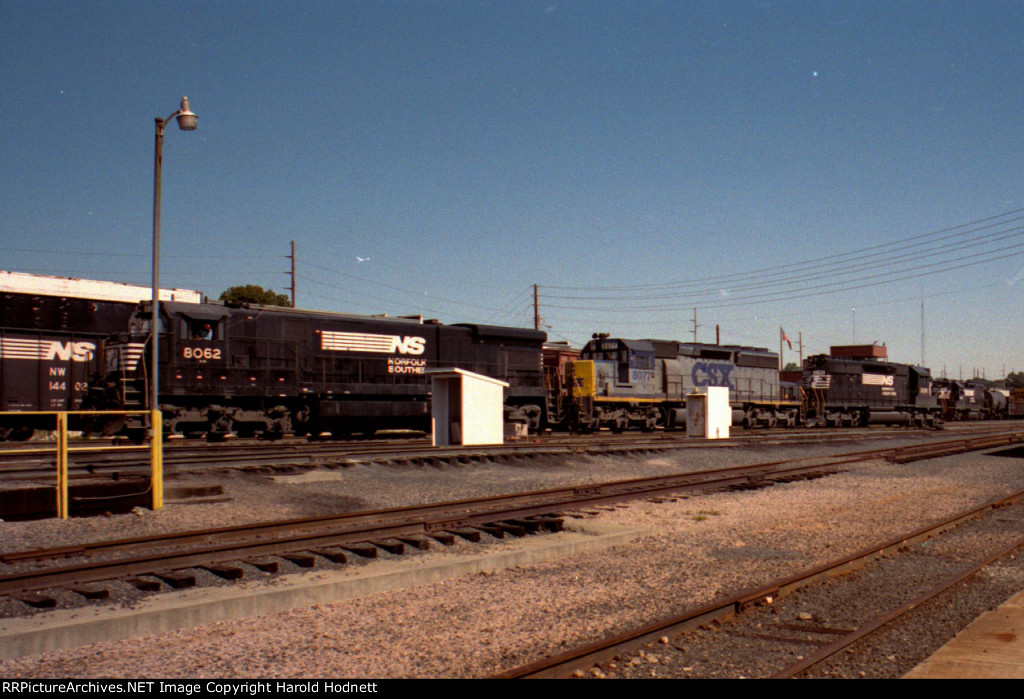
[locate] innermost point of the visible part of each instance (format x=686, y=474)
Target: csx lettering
x=75, y=351
x=709, y=374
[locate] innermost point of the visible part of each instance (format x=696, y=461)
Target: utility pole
x=695, y=326
x=292, y=257
x=536, y=309
x=922, y=329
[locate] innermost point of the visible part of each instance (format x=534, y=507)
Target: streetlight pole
x=187, y=121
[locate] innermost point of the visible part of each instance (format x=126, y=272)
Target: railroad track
x=336, y=538
x=106, y=462
x=627, y=649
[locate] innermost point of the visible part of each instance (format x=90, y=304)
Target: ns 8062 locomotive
x=630, y=384
x=269, y=371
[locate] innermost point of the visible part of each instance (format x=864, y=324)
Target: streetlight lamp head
x=187, y=119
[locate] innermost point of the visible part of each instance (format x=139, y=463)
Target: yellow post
x=62, y=465
x=156, y=421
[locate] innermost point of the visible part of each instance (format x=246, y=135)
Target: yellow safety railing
x=155, y=449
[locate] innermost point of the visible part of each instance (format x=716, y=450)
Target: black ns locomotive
x=269, y=371
x=858, y=392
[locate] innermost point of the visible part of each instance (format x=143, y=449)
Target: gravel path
x=698, y=550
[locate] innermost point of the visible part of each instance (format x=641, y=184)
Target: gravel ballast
x=698, y=549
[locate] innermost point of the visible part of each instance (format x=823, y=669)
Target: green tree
x=250, y=293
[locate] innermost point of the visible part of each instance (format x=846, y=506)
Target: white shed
x=467, y=408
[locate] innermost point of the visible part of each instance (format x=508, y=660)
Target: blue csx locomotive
x=642, y=384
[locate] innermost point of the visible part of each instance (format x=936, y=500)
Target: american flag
x=784, y=337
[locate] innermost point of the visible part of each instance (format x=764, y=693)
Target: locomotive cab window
x=643, y=361
x=202, y=329
x=623, y=367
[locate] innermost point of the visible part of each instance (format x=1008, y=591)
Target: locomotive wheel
x=137, y=435
x=20, y=434
x=662, y=418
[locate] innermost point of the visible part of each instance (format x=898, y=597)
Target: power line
x=783, y=294
x=829, y=271
x=998, y=219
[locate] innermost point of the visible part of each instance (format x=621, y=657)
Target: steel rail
x=121, y=462
x=875, y=625
x=215, y=546
x=563, y=664
x=234, y=543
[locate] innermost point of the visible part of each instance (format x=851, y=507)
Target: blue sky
x=825, y=167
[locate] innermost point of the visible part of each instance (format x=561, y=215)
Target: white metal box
x=708, y=414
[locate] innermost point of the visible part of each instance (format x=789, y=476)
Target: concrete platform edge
x=62, y=629
x=991, y=647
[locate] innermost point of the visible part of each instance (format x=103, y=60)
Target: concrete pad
x=316, y=476
x=194, y=607
x=992, y=647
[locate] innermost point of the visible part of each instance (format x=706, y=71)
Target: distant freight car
x=641, y=384
x=268, y=371
x=558, y=356
x=1015, y=408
